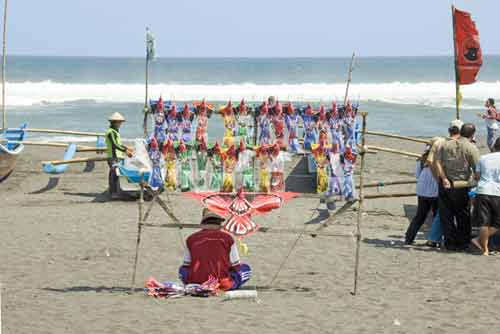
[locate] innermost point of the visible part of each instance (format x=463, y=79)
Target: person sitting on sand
x=427, y=194
x=490, y=118
x=212, y=252
x=487, y=205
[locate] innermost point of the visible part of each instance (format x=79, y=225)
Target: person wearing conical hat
x=115, y=150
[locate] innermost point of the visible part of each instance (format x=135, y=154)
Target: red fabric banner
x=467, y=47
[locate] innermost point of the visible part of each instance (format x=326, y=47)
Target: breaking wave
x=432, y=94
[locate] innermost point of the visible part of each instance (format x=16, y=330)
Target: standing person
x=487, y=207
x=435, y=236
x=115, y=151
x=427, y=194
x=456, y=161
x=213, y=253
x=490, y=118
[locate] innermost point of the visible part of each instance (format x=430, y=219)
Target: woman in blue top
x=427, y=193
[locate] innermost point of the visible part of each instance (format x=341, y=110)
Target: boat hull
x=8, y=159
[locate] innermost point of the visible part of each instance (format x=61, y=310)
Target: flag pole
x=349, y=78
x=146, y=107
x=4, y=63
x=457, y=79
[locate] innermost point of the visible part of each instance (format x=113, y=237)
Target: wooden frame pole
x=139, y=230
x=360, y=204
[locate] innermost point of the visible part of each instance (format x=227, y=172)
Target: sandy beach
x=67, y=255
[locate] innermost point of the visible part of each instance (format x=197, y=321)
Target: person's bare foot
x=476, y=243
x=486, y=253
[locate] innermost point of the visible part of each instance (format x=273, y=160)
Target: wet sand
x=67, y=255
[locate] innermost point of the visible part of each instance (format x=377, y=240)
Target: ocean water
x=408, y=95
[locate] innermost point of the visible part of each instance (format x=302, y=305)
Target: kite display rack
x=319, y=231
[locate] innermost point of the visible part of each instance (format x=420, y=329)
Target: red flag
x=468, y=52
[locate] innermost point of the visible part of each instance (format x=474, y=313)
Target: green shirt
x=115, y=149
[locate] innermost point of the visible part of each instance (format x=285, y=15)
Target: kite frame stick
x=262, y=229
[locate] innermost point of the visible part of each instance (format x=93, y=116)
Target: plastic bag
x=140, y=160
x=138, y=164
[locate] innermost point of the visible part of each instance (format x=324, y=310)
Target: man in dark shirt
x=212, y=252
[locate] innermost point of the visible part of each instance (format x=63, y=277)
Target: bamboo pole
x=80, y=148
x=139, y=230
x=349, y=79
x=262, y=229
x=75, y=161
x=146, y=105
x=390, y=195
x=360, y=203
x=390, y=135
x=387, y=183
x=4, y=63
x=66, y=132
x=457, y=75
x=390, y=150
x=91, y=149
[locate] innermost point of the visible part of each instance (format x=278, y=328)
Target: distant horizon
x=241, y=57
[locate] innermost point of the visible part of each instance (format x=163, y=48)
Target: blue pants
x=491, y=136
x=239, y=277
x=436, y=233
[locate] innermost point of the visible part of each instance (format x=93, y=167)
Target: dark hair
x=468, y=130
x=491, y=101
x=496, y=145
x=454, y=130
x=423, y=157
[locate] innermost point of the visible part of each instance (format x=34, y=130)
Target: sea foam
x=434, y=94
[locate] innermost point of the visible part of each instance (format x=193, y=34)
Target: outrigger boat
x=10, y=149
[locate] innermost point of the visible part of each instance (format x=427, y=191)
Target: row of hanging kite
x=181, y=163
x=273, y=122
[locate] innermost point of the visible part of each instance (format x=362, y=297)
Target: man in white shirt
x=487, y=207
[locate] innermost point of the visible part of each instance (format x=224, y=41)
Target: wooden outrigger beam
x=80, y=148
x=66, y=132
x=391, y=150
x=75, y=161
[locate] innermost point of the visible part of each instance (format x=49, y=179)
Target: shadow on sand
x=53, y=182
x=97, y=197
x=299, y=180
